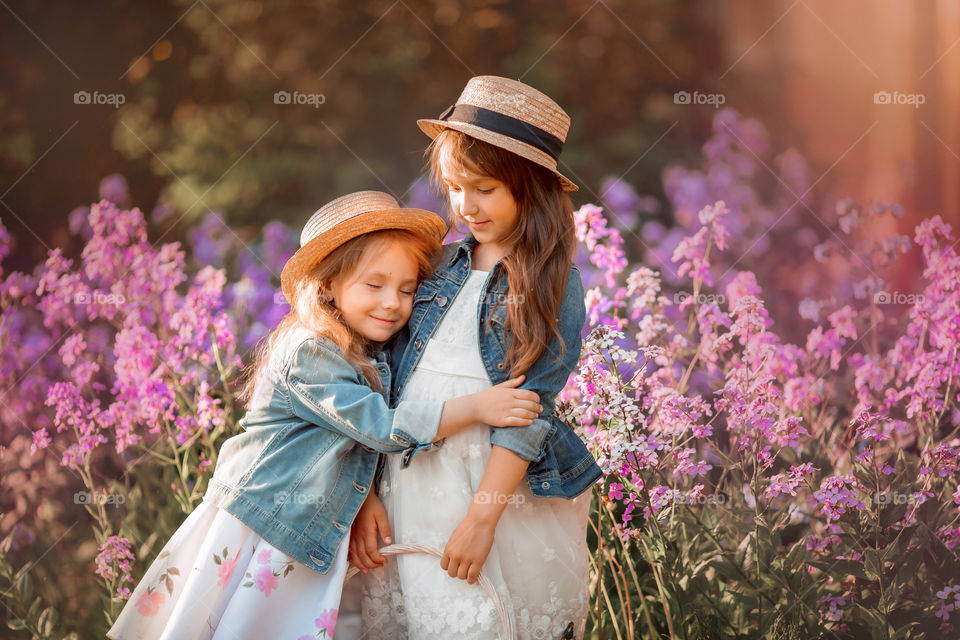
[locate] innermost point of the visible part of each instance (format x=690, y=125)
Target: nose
x=468, y=205
x=391, y=299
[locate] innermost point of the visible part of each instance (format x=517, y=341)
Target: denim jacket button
x=418, y=344
x=501, y=365
x=359, y=488
x=545, y=485
x=442, y=301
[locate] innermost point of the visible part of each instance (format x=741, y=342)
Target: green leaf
x=871, y=562
x=891, y=514
x=904, y=630
x=216, y=558
x=17, y=625
x=48, y=621
x=169, y=582
x=23, y=584
x=878, y=626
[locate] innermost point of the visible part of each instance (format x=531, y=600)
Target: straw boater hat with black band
x=348, y=217
x=510, y=115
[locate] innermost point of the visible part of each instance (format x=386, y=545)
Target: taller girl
x=506, y=299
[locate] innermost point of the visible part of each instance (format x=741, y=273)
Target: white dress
x=539, y=561
x=216, y=579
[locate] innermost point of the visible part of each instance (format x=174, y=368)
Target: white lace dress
x=539, y=562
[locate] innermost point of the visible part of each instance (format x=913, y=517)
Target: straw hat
x=510, y=115
x=346, y=218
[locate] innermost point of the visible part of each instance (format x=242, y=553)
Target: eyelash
x=457, y=189
x=377, y=286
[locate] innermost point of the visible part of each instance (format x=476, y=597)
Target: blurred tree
x=201, y=128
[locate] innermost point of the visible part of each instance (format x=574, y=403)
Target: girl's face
x=377, y=298
x=484, y=203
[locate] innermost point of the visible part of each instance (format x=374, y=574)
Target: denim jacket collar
x=465, y=248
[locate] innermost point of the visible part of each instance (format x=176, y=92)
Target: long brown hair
x=542, y=243
x=311, y=308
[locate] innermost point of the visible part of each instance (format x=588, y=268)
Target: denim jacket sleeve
x=548, y=375
x=326, y=390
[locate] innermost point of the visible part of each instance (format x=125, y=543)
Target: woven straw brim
x=419, y=221
x=433, y=128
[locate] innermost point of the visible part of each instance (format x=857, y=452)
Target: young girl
x=504, y=300
x=265, y=554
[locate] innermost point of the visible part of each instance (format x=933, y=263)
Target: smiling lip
x=477, y=225
x=382, y=320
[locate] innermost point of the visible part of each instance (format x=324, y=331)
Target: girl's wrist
x=484, y=510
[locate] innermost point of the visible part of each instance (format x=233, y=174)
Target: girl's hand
x=504, y=405
x=371, y=519
x=468, y=548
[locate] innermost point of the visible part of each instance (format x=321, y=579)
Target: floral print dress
x=216, y=579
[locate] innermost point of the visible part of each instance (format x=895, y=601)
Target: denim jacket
x=300, y=469
x=561, y=465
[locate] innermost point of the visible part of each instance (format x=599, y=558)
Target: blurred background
x=830, y=130
x=182, y=98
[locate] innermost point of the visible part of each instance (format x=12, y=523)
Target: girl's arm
x=470, y=543
x=325, y=389
x=549, y=374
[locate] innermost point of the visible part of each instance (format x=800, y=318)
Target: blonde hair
x=311, y=307
x=542, y=244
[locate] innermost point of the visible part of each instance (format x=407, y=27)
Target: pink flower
x=226, y=570
x=148, y=604
x=263, y=557
x=327, y=621
x=265, y=580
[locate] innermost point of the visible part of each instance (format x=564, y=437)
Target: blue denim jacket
x=561, y=465
x=300, y=469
